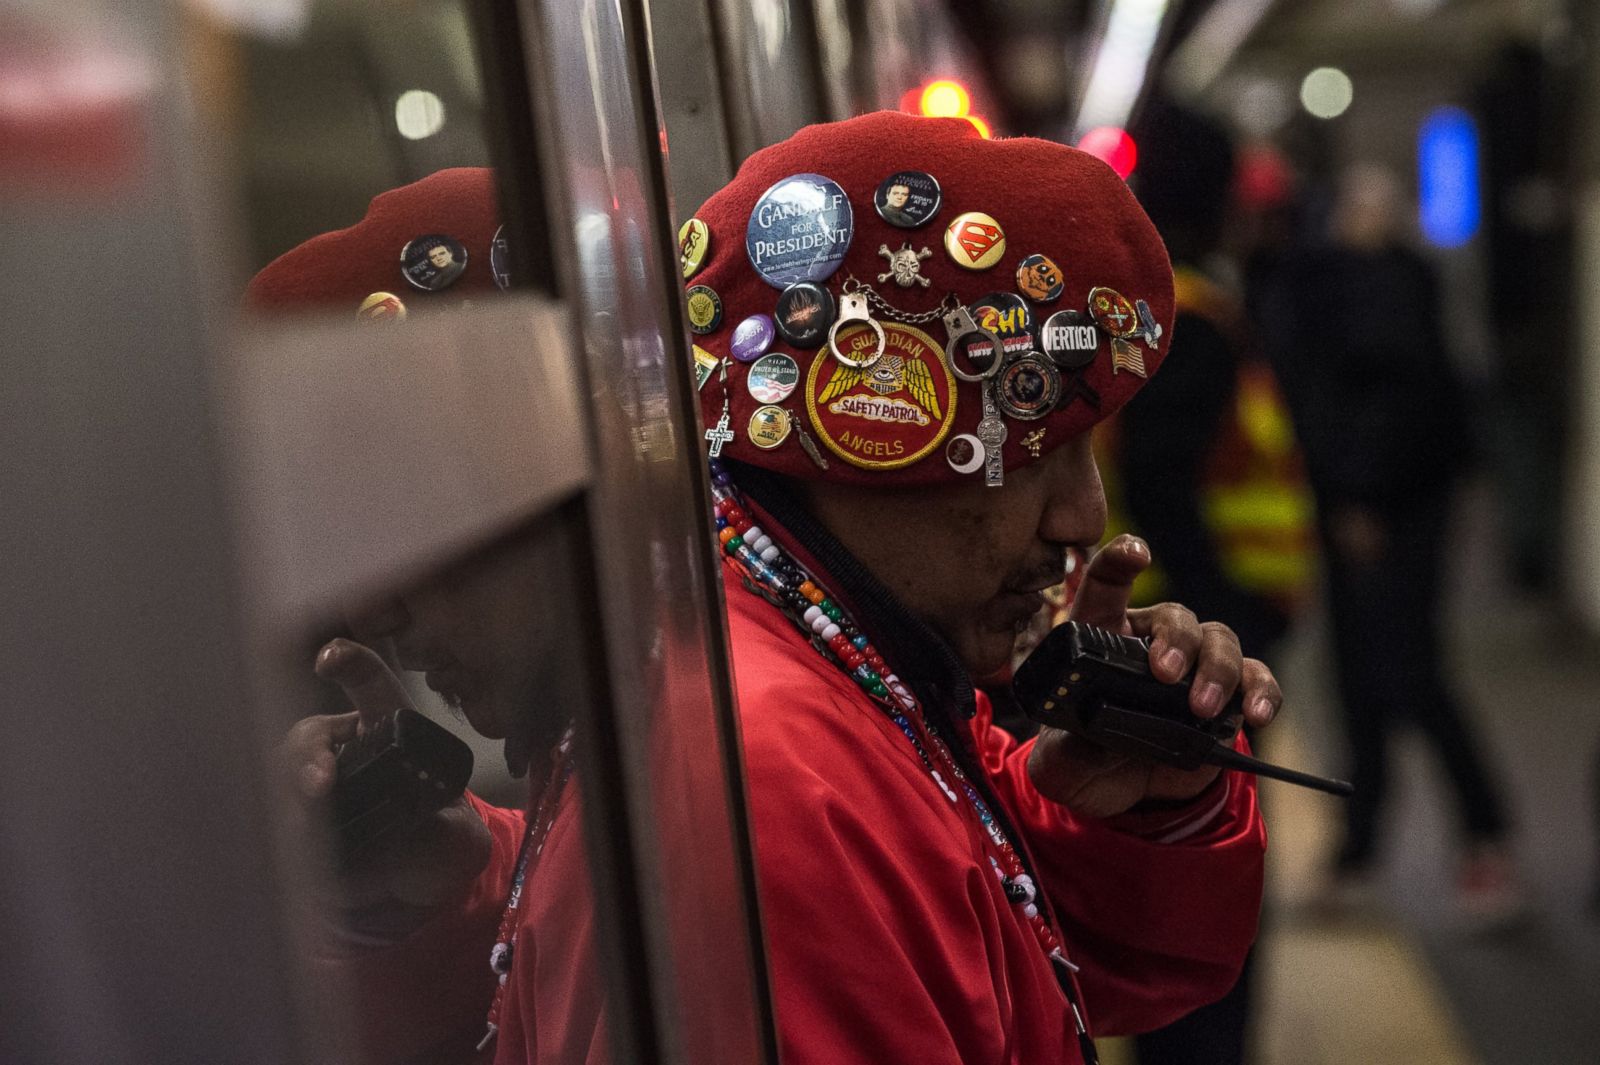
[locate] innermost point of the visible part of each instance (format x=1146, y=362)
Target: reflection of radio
x=399, y=772
x=1098, y=685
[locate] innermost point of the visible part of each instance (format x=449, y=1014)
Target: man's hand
x=1092, y=781
x=409, y=872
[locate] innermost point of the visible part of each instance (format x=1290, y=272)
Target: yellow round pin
x=382, y=307
x=974, y=240
x=694, y=244
x=769, y=427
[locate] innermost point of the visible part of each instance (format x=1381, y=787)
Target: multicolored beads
x=836, y=636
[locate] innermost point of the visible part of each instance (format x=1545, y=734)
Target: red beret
x=898, y=421
x=346, y=266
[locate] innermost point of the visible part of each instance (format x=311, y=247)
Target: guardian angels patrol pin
x=889, y=414
x=433, y=262
x=799, y=230
x=974, y=240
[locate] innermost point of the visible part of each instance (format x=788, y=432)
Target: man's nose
x=1075, y=510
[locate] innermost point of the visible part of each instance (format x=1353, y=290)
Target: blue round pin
x=800, y=230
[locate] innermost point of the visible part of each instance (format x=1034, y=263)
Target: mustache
x=1042, y=574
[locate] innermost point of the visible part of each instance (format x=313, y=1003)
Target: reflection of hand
x=1359, y=534
x=1093, y=781
x=410, y=872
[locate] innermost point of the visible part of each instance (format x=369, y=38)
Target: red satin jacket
x=889, y=936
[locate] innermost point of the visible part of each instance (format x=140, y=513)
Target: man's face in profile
x=440, y=256
x=897, y=196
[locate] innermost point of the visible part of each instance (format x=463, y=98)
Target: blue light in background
x=1447, y=173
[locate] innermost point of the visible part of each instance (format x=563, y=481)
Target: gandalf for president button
x=891, y=414
x=800, y=230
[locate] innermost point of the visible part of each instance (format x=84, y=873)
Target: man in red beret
x=897, y=480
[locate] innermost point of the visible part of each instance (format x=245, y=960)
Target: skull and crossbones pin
x=905, y=265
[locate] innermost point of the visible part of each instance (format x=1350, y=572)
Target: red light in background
x=1113, y=146
x=945, y=99
x=980, y=125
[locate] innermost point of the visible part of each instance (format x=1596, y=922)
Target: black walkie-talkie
x=398, y=772
x=1098, y=685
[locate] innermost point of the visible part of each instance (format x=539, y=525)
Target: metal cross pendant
x=720, y=434
x=992, y=431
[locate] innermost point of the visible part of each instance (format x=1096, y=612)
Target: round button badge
x=800, y=230
x=705, y=309
x=804, y=313
x=1028, y=387
x=769, y=427
x=1039, y=279
x=1113, y=312
x=772, y=378
x=974, y=240
x=1070, y=339
x=1006, y=316
x=382, y=307
x=694, y=244
x=433, y=262
x=908, y=199
x=965, y=453
x=752, y=337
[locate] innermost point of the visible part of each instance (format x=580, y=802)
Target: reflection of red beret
x=342, y=268
x=1047, y=198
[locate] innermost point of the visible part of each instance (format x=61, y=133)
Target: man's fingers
x=368, y=683
x=1175, y=638
x=1102, y=598
x=1220, y=668
x=1262, y=696
x=307, y=752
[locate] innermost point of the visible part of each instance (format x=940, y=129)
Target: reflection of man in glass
x=444, y=261
x=894, y=206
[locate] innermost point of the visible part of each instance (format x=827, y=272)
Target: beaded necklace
x=786, y=583
x=539, y=825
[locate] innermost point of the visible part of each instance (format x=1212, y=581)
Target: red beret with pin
x=848, y=287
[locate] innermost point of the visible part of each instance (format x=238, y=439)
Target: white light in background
x=282, y=20
x=1261, y=106
x=1327, y=92
x=1121, y=63
x=418, y=114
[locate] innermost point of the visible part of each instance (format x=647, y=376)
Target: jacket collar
x=922, y=658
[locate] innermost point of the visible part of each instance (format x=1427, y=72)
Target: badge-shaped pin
x=1006, y=315
x=964, y=453
x=500, y=259
x=887, y=413
x=853, y=309
x=1126, y=356
x=752, y=337
x=1028, y=387
x=719, y=435
x=1149, y=328
x=1039, y=279
x=1033, y=442
x=905, y=265
x=705, y=309
x=974, y=240
x=958, y=323
x=908, y=199
x=433, y=262
x=769, y=427
x=800, y=230
x=381, y=307
x=804, y=313
x=772, y=377
x=694, y=244
x=992, y=432
x=705, y=364
x=1112, y=312
x=1070, y=339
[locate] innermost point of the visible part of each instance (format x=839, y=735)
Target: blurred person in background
x=1224, y=514
x=1381, y=414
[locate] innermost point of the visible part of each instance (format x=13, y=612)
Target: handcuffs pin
x=853, y=308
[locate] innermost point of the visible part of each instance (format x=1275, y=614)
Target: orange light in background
x=945, y=99
x=980, y=125
x=1113, y=146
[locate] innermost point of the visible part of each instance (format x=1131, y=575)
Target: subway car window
x=728, y=531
